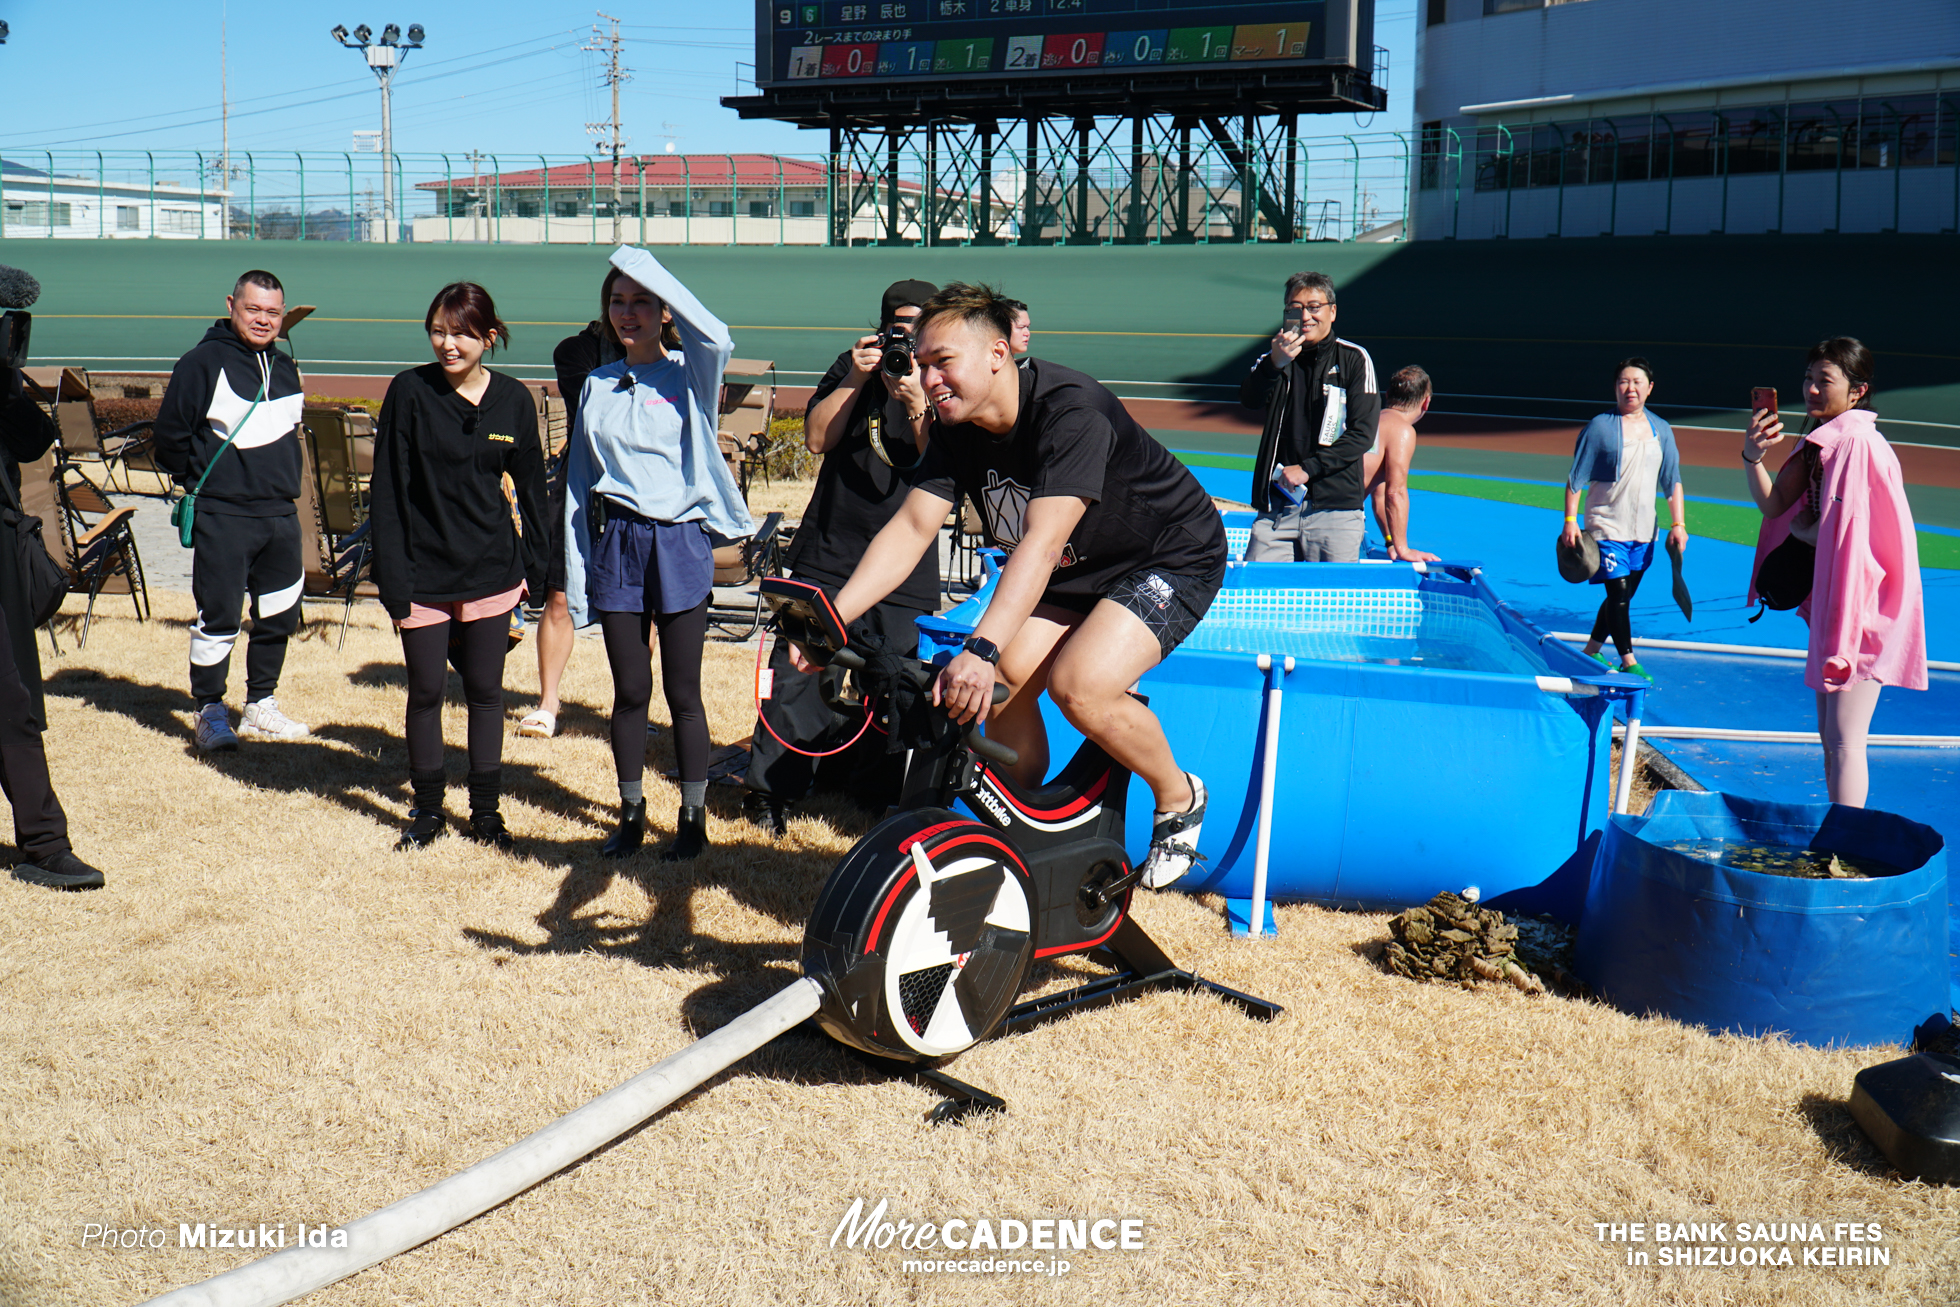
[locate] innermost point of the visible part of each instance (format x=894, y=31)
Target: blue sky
x=498, y=76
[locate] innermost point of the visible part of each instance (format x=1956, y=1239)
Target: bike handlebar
x=922, y=676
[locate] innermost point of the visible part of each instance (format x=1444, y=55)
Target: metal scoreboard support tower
x=1056, y=123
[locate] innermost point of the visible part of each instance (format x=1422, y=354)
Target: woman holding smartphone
x=1621, y=460
x=449, y=560
x=644, y=482
x=1842, y=493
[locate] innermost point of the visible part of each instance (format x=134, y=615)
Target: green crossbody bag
x=183, y=515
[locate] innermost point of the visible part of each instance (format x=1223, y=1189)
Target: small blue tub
x=1431, y=739
x=1822, y=961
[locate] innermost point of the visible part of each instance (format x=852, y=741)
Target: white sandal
x=539, y=725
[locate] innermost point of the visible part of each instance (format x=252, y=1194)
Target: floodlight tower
x=384, y=57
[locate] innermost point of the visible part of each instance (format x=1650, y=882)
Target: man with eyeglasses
x=1322, y=406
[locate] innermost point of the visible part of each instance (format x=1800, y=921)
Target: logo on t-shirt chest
x=1006, y=506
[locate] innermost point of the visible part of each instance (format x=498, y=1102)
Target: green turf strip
x=1731, y=522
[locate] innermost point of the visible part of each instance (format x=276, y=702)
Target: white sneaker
x=1174, y=841
x=264, y=721
x=213, y=730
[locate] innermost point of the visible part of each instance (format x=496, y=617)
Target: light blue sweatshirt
x=649, y=442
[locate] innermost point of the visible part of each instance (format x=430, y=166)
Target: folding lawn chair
x=66, y=394
x=333, y=513
x=87, y=536
x=743, y=563
x=748, y=406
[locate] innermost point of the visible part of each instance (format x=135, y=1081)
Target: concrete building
x=37, y=202
x=1636, y=117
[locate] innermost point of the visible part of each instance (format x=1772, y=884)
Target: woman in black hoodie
x=449, y=559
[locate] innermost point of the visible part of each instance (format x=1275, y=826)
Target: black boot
x=690, y=835
x=766, y=811
x=486, y=823
x=61, y=870
x=426, y=824
x=632, y=832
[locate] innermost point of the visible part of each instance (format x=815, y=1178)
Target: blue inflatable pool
x=1430, y=739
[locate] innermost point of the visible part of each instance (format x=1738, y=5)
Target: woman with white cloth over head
x=644, y=484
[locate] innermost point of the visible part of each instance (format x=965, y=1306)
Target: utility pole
x=224, y=101
x=384, y=58
x=608, y=45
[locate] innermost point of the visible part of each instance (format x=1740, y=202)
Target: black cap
x=905, y=294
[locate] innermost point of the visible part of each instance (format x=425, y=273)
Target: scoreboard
x=810, y=43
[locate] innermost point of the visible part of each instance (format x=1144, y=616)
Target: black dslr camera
x=895, y=349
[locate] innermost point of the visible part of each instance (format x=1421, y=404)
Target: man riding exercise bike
x=1117, y=552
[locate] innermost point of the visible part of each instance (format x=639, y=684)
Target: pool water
x=1781, y=860
x=1347, y=647
x=1395, y=628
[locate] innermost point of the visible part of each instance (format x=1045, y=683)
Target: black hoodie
x=211, y=388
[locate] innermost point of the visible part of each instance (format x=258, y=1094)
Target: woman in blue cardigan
x=1621, y=461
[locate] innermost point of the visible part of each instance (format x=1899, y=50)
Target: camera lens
x=895, y=357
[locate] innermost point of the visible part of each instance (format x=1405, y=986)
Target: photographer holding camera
x=868, y=419
x=26, y=433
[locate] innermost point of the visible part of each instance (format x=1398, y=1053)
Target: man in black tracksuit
x=1322, y=405
x=247, y=532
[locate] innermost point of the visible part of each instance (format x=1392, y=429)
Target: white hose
x=288, y=1274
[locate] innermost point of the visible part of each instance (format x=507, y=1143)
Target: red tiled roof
x=670, y=170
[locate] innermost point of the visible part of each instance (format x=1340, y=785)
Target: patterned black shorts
x=1170, y=604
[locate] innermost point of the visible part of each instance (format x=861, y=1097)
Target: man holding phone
x=1322, y=406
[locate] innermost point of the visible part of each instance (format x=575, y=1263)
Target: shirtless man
x=1385, y=468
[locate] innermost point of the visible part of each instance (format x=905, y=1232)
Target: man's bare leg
x=1090, y=678
x=1024, y=667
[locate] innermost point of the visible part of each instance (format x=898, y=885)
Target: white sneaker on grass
x=213, y=730
x=1174, y=840
x=264, y=721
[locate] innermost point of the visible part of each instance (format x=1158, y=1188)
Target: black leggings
x=682, y=637
x=1614, y=618
x=480, y=650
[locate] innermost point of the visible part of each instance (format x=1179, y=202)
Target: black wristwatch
x=984, y=649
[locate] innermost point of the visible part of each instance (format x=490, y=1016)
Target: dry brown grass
x=270, y=1016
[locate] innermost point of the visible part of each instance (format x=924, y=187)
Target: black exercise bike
x=926, y=930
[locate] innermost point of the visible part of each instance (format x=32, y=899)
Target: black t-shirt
x=1075, y=438
x=856, y=494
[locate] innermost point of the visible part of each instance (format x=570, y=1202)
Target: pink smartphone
x=1761, y=398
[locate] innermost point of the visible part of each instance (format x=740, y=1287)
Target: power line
x=282, y=108
x=273, y=95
